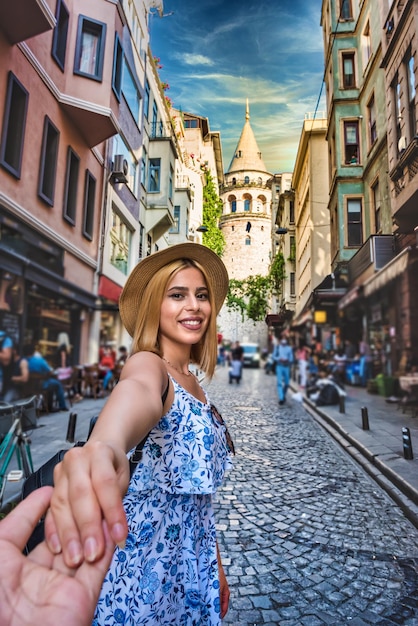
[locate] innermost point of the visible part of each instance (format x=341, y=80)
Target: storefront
x=36, y=302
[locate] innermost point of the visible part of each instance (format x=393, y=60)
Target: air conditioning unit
x=402, y=144
x=120, y=169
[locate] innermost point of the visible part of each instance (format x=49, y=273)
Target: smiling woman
x=169, y=305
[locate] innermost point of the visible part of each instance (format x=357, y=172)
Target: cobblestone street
x=307, y=537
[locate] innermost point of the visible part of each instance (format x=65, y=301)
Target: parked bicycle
x=15, y=442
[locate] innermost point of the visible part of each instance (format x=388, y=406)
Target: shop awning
x=389, y=272
x=276, y=319
x=301, y=319
x=108, y=289
x=350, y=297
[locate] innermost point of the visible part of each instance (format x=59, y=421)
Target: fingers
x=18, y=525
x=88, y=487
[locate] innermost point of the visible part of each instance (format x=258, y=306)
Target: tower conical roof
x=247, y=155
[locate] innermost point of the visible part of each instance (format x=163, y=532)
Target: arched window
x=247, y=180
x=248, y=241
x=247, y=202
x=232, y=204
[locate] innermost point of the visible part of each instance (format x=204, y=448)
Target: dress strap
x=165, y=392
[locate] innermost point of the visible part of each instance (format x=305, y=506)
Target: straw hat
x=133, y=291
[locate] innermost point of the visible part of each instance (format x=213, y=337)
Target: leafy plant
x=212, y=211
x=251, y=296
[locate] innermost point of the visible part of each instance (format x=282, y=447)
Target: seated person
x=106, y=366
x=38, y=365
x=13, y=387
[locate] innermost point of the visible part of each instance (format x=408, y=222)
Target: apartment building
x=57, y=108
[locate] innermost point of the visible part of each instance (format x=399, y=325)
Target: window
x=146, y=100
x=48, y=165
x=71, y=183
x=120, y=243
x=89, y=200
x=246, y=180
x=398, y=108
x=351, y=143
x=292, y=248
x=291, y=212
x=248, y=241
x=376, y=206
x=131, y=92
x=176, y=226
x=354, y=222
x=141, y=241
x=89, y=52
x=247, y=204
x=349, y=77
x=233, y=204
x=170, y=184
x=143, y=166
x=154, y=175
x=372, y=121
x=191, y=123
x=292, y=279
x=59, y=42
x=366, y=45
x=154, y=119
x=346, y=12
x=14, y=122
x=411, y=97
x=117, y=67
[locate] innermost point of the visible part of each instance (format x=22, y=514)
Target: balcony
x=375, y=253
x=22, y=22
x=95, y=122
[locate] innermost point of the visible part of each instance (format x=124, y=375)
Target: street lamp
x=282, y=231
x=202, y=229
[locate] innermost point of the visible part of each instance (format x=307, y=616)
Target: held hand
x=39, y=588
x=89, y=485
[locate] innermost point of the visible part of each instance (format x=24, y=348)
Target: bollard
x=342, y=404
x=365, y=418
x=407, y=444
x=72, y=421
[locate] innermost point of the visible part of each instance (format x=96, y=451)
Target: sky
x=217, y=53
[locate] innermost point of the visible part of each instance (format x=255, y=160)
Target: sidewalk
x=50, y=436
x=381, y=448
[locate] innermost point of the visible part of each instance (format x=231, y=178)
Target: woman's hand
x=39, y=588
x=89, y=485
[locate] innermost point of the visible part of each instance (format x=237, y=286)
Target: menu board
x=11, y=325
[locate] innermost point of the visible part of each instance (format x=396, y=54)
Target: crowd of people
x=18, y=371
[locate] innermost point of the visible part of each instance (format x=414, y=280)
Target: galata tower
x=246, y=225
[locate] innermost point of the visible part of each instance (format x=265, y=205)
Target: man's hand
x=39, y=588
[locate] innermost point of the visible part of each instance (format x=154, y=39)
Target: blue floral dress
x=168, y=572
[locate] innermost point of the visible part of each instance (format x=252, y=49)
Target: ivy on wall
x=212, y=211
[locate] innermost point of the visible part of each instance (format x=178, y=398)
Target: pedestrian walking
x=283, y=356
x=167, y=562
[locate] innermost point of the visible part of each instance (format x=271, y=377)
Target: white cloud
x=194, y=59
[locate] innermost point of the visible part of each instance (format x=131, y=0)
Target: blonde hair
x=146, y=333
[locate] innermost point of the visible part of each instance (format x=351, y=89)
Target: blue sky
x=216, y=53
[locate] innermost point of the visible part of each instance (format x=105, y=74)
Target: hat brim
x=133, y=291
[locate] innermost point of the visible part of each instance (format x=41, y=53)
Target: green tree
x=251, y=296
x=212, y=211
